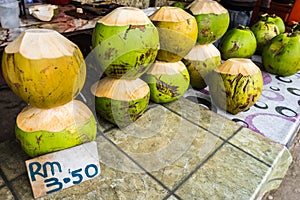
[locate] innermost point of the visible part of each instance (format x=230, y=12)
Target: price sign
x=55, y=171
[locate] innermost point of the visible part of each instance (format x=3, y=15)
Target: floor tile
x=259, y=146
x=111, y=184
x=1, y=181
x=273, y=154
x=172, y=198
x=12, y=159
x=124, y=176
x=6, y=194
x=168, y=149
x=103, y=125
x=219, y=125
x=229, y=174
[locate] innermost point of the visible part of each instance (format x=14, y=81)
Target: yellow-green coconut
x=200, y=61
x=42, y=131
x=235, y=85
x=44, y=68
x=212, y=19
x=177, y=32
x=125, y=43
x=168, y=81
x=121, y=101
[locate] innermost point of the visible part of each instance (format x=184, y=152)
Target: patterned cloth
x=275, y=115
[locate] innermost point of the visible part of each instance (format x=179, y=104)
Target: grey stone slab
x=173, y=198
x=259, y=146
x=273, y=154
x=164, y=144
x=112, y=184
x=217, y=124
x=229, y=174
x=1, y=181
x=12, y=159
x=102, y=124
x=6, y=194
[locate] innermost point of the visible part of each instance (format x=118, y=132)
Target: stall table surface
x=178, y=150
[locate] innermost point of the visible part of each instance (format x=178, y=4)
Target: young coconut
x=177, y=33
x=121, y=101
x=264, y=31
x=126, y=43
x=42, y=131
x=168, y=81
x=276, y=20
x=236, y=85
x=43, y=12
x=281, y=55
x=44, y=68
x=212, y=19
x=200, y=61
x=239, y=42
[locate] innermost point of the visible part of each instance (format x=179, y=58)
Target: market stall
x=175, y=148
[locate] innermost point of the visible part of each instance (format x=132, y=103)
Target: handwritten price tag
x=56, y=171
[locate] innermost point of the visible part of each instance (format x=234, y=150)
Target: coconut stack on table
x=205, y=57
x=48, y=71
x=265, y=37
x=168, y=77
x=125, y=43
x=204, y=61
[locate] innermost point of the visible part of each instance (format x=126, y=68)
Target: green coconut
x=239, y=42
x=236, y=85
x=264, y=31
x=212, y=19
x=42, y=131
x=37, y=64
x=125, y=43
x=177, y=33
x=178, y=4
x=121, y=101
x=276, y=20
x=200, y=61
x=168, y=81
x=281, y=55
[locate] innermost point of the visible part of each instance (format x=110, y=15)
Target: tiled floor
x=174, y=151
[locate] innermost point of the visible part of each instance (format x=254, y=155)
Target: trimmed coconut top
x=161, y=67
x=123, y=16
x=41, y=43
x=235, y=66
x=206, y=7
x=43, y=12
x=170, y=14
x=55, y=119
x=203, y=52
x=120, y=89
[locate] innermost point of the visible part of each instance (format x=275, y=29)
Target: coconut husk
x=170, y=14
x=120, y=89
x=161, y=67
x=202, y=52
x=43, y=12
x=235, y=66
x=55, y=119
x=206, y=7
x=124, y=16
x=40, y=44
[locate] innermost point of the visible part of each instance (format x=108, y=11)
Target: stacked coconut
x=48, y=71
x=235, y=84
x=126, y=44
x=168, y=77
x=212, y=21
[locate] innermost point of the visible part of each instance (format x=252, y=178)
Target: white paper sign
x=56, y=171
